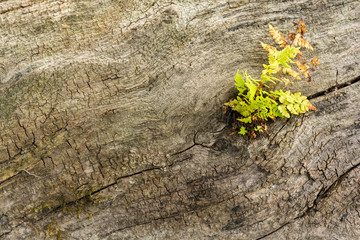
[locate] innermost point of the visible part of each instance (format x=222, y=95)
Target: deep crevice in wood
x=334, y=88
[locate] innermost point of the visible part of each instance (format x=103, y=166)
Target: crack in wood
x=334, y=88
x=268, y=234
x=325, y=192
x=322, y=194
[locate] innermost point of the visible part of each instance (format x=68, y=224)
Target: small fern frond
x=277, y=36
x=292, y=73
x=315, y=61
x=299, y=40
x=257, y=100
x=268, y=48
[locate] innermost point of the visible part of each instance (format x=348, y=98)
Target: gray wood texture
x=122, y=100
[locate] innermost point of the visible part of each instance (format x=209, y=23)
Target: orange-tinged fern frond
x=301, y=27
x=303, y=67
x=302, y=42
x=292, y=73
x=315, y=61
x=291, y=36
x=306, y=67
x=311, y=107
x=286, y=81
x=268, y=48
x=296, y=41
x=299, y=54
x=278, y=37
x=307, y=75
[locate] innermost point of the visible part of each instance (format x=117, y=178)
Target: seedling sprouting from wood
x=259, y=100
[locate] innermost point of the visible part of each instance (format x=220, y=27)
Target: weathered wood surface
x=125, y=97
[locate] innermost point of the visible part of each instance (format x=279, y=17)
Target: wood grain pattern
x=125, y=97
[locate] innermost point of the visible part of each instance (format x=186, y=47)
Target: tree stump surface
x=111, y=123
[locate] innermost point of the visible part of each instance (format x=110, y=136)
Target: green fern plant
x=259, y=100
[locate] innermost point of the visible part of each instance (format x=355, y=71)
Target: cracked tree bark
x=122, y=99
